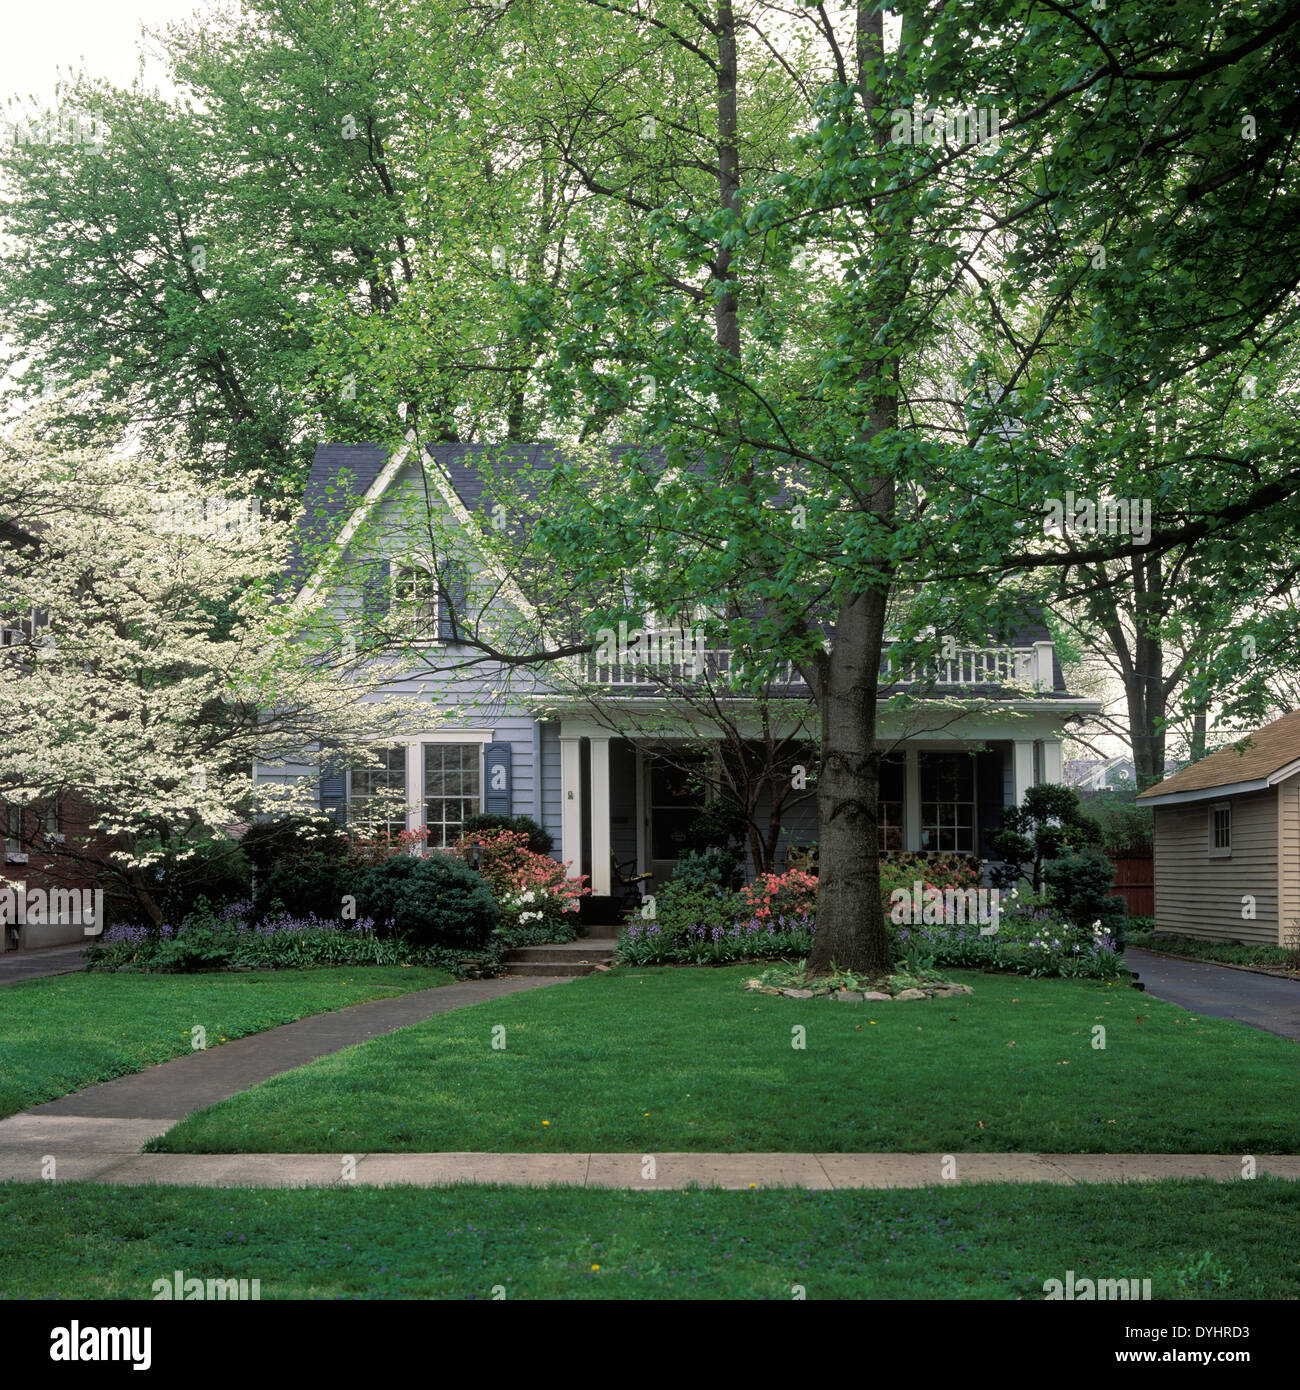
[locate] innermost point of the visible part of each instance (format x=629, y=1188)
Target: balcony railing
x=677, y=663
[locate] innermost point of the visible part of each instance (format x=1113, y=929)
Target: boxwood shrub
x=432, y=901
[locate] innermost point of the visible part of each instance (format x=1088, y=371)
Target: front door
x=674, y=796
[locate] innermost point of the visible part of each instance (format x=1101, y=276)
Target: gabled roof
x=1255, y=763
x=342, y=475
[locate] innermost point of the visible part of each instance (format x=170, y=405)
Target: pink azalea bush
x=792, y=894
x=532, y=890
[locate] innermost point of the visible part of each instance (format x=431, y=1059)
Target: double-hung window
x=415, y=599
x=452, y=789
x=378, y=798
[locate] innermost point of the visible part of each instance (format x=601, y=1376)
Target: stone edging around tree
x=853, y=996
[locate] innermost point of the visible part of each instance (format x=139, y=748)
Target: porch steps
x=567, y=958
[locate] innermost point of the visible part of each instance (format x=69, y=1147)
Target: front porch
x=937, y=794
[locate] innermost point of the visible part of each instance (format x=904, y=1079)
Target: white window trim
x=1215, y=808
x=414, y=745
x=406, y=765
x=415, y=763
x=414, y=562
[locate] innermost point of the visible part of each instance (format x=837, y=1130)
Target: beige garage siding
x=1200, y=896
x=1288, y=849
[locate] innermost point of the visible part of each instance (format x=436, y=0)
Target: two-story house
x=582, y=746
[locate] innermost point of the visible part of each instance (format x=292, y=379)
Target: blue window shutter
x=451, y=601
x=496, y=772
x=376, y=591
x=334, y=792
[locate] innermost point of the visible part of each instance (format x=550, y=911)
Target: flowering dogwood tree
x=152, y=659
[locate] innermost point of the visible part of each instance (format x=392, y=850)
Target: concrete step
x=549, y=968
x=567, y=951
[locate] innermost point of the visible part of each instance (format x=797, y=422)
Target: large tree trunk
x=850, y=914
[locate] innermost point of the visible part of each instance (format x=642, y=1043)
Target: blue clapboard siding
x=551, y=800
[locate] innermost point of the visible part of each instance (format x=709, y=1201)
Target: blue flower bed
x=647, y=943
x=227, y=939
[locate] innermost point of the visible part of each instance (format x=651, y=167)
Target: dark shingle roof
x=341, y=474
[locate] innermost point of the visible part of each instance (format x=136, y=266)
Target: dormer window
x=415, y=597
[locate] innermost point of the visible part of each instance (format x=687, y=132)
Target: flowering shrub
x=364, y=850
x=532, y=890
x=791, y=894
x=217, y=941
x=903, y=869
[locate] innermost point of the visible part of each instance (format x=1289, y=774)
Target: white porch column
x=911, y=799
x=571, y=803
x=1052, y=771
x=600, y=844
x=1023, y=768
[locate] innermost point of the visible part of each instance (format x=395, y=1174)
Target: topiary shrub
x=713, y=867
x=539, y=841
x=1048, y=824
x=431, y=901
x=1080, y=885
x=682, y=906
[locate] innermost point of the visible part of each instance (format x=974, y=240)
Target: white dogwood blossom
x=151, y=659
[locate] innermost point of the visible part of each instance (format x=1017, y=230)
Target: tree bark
x=851, y=932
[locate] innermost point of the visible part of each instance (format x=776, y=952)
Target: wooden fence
x=1135, y=880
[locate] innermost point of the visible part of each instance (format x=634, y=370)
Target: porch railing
x=674, y=665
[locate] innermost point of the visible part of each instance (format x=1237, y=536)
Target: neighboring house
x=533, y=744
x=34, y=835
x=1227, y=840
x=1100, y=774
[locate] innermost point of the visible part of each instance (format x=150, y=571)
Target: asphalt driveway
x=48, y=960
x=1263, y=1001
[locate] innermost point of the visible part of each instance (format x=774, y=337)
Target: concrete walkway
x=107, y=1151
x=200, y=1079
x=117, y=1117
x=46, y=960
x=1262, y=1001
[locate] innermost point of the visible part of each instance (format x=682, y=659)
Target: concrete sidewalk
x=107, y=1150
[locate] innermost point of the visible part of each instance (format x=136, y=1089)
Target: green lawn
x=65, y=1032
x=1192, y=1239
x=684, y=1059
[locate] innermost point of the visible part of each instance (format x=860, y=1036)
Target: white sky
x=44, y=37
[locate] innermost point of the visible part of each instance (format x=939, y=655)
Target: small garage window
x=1221, y=829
